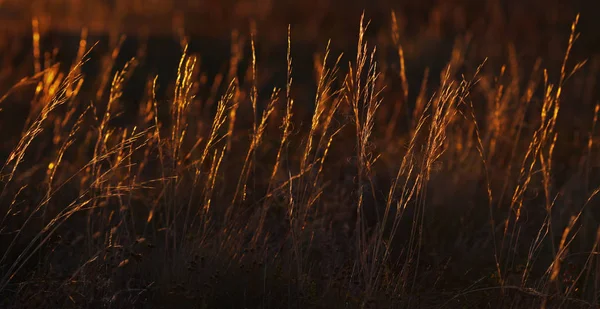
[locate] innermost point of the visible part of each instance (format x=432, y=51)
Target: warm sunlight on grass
x=452, y=167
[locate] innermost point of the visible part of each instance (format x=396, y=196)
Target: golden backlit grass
x=447, y=197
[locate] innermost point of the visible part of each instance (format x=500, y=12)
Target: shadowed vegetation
x=449, y=161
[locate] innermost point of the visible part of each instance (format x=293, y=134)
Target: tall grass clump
x=356, y=189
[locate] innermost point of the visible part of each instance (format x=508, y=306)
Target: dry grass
x=471, y=183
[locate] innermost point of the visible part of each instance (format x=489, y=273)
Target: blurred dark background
x=529, y=20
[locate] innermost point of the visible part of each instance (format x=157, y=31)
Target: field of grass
x=441, y=155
